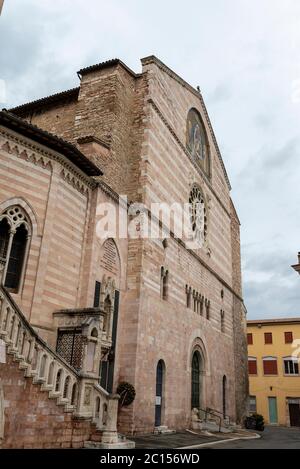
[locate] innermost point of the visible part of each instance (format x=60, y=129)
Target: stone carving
x=110, y=258
x=87, y=395
x=195, y=136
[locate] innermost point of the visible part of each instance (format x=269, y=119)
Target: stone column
x=11, y=237
x=110, y=434
x=2, y=267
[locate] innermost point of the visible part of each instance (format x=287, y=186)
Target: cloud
x=222, y=92
x=245, y=58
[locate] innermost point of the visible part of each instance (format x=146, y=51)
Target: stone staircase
x=211, y=420
x=77, y=394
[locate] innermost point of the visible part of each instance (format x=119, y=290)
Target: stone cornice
x=93, y=139
x=187, y=153
x=111, y=193
x=22, y=143
x=182, y=82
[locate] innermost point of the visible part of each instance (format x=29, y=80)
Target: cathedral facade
x=156, y=313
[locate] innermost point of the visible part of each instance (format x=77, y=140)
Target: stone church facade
x=152, y=312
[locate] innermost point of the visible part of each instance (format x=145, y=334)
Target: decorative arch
x=15, y=238
x=197, y=140
x=160, y=392
x=199, y=370
x=21, y=202
x=196, y=380
x=110, y=260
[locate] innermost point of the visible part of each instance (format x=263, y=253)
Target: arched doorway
x=224, y=382
x=159, y=392
x=196, y=377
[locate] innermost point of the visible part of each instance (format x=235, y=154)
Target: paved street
x=174, y=440
x=272, y=437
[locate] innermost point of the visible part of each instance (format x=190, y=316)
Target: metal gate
x=70, y=346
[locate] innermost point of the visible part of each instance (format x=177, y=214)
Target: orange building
x=273, y=363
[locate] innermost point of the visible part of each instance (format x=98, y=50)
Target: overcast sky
x=244, y=55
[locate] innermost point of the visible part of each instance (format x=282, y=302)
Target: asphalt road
x=271, y=438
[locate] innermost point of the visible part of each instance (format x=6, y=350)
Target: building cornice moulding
x=22, y=143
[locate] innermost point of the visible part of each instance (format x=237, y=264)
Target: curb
x=256, y=436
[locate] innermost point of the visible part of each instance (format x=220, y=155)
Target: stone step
x=23, y=365
x=127, y=444
x=162, y=429
x=212, y=426
x=62, y=401
x=46, y=387
x=54, y=395
x=69, y=408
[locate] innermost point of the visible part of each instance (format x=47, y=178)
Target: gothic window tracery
x=15, y=234
x=198, y=216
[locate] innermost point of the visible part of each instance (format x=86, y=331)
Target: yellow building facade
x=274, y=369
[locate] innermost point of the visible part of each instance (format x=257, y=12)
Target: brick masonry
x=32, y=420
x=134, y=127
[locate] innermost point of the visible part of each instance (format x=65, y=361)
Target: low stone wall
x=32, y=420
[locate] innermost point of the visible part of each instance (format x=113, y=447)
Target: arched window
x=222, y=314
x=97, y=407
x=43, y=366
x=50, y=373
x=164, y=277
x=196, y=366
x=207, y=307
x=15, y=231
x=66, y=386
x=58, y=380
x=104, y=414
x=74, y=394
x=196, y=140
x=198, y=216
x=159, y=397
x=188, y=292
x=224, y=384
x=107, y=309
x=165, y=286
